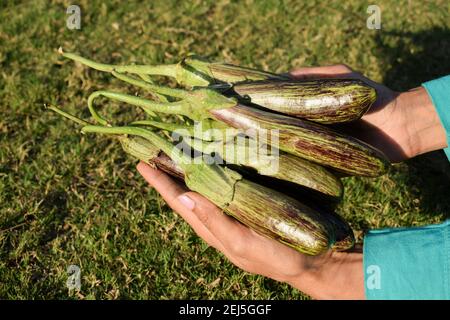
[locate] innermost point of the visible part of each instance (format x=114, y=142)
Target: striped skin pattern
x=343, y=233
x=280, y=217
x=309, y=140
x=324, y=101
x=279, y=165
x=192, y=69
x=308, y=174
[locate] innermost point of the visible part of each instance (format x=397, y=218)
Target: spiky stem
x=177, y=155
x=148, y=106
x=68, y=115
x=168, y=70
x=177, y=93
x=148, y=79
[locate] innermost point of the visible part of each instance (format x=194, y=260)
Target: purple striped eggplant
x=325, y=100
x=308, y=140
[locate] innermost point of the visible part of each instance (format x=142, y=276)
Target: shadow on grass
x=414, y=58
x=54, y=212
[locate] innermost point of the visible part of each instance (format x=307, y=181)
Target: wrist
x=424, y=130
x=334, y=275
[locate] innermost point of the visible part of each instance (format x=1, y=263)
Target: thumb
x=333, y=71
x=224, y=228
x=200, y=206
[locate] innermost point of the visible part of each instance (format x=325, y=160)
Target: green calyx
x=193, y=72
x=207, y=99
x=211, y=73
x=211, y=180
x=139, y=148
x=195, y=104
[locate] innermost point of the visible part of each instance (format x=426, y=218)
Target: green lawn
x=71, y=199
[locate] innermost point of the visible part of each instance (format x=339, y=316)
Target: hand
x=331, y=275
x=401, y=124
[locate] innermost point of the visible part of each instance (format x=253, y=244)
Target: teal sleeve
x=408, y=263
x=439, y=91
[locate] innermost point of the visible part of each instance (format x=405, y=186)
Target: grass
x=71, y=199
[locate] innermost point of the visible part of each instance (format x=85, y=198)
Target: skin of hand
x=401, y=125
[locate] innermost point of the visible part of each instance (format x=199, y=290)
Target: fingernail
x=187, y=202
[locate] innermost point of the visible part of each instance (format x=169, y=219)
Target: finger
x=232, y=234
x=170, y=191
x=165, y=185
x=333, y=71
x=330, y=72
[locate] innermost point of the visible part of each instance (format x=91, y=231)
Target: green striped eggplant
x=308, y=140
x=279, y=165
x=266, y=211
x=325, y=100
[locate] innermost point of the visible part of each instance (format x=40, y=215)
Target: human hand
x=331, y=275
x=400, y=124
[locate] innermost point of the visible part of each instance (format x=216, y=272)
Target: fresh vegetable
x=322, y=100
x=308, y=140
x=299, y=137
x=147, y=152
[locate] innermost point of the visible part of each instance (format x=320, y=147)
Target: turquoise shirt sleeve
x=408, y=263
x=412, y=263
x=439, y=92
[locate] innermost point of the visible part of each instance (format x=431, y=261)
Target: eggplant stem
x=150, y=107
x=149, y=79
x=169, y=70
x=68, y=115
x=167, y=147
x=176, y=93
x=171, y=127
